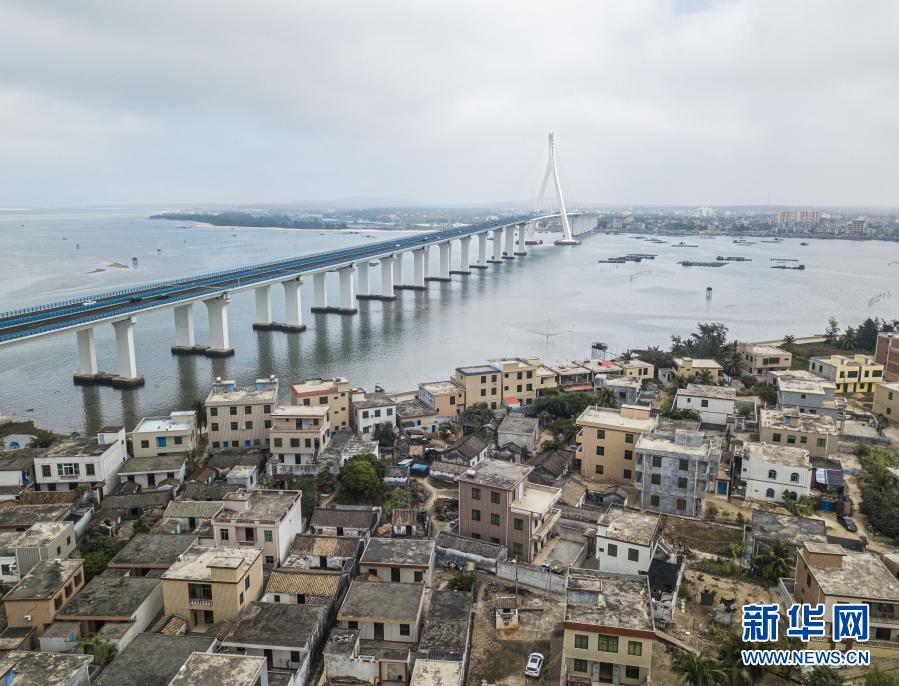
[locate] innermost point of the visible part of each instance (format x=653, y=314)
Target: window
x=580, y=666
x=233, y=426
x=653, y=501
x=607, y=644
x=267, y=535
x=213, y=412
x=821, y=442
x=145, y=444
x=803, y=440
x=600, y=434
x=78, y=579
x=269, y=559
x=791, y=439
x=628, y=454
x=89, y=469
x=248, y=425
x=494, y=519
x=475, y=493
x=684, y=465
x=612, y=550
x=633, y=555
x=682, y=482
x=519, y=524
x=199, y=591
x=475, y=515
x=656, y=460
x=627, y=474
x=352, y=625
x=45, y=470
x=241, y=598
x=705, y=403
x=599, y=469
x=794, y=476
x=494, y=497
x=769, y=493
x=160, y=441
x=57, y=602
x=772, y=474
x=278, y=442
x=418, y=577
x=232, y=411
x=68, y=469
x=223, y=534
x=215, y=427
x=776, y=437
x=267, y=409
x=404, y=630
x=580, y=641
x=656, y=479
x=634, y=648
x=628, y=438
x=681, y=504
x=179, y=440
x=267, y=423
x=632, y=671
x=600, y=450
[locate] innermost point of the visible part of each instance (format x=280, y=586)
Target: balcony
x=881, y=618
x=199, y=602
x=548, y=523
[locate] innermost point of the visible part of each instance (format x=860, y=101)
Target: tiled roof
x=307, y=583
x=328, y=546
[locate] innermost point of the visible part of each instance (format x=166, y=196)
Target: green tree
x=605, y=397
x=697, y=670
x=385, y=434
x=563, y=405
x=867, y=334
x=461, y=582
x=848, y=340
x=730, y=645
x=654, y=355
x=103, y=651
x=199, y=407
x=874, y=677
x=788, y=342
x=42, y=439
x=359, y=478
x=823, y=676
x=775, y=561
x=832, y=331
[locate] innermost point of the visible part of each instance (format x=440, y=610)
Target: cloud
x=653, y=102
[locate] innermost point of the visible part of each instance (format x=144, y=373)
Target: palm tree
x=704, y=376
x=697, y=670
x=848, y=339
x=788, y=342
x=775, y=561
x=199, y=407
x=606, y=398
x=729, y=654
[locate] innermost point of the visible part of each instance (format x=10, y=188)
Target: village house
x=447, y=627
x=414, y=414
x=222, y=669
x=297, y=586
x=468, y=451
x=850, y=373
x=268, y=519
x=21, y=551
x=520, y=430
x=240, y=417
x=46, y=669
x=767, y=527
x=816, y=433
x=155, y=657
x=344, y=520
x=161, y=436
x=607, y=438
x=625, y=389
x=806, y=392
x=16, y=471
x=886, y=400
x=497, y=504
x=445, y=398
x=772, y=472
x=151, y=472
x=190, y=517
x=369, y=410
x=398, y=560
x=609, y=629
x=147, y=554
x=298, y=435
x=626, y=540
x=688, y=367
x=94, y=462
x=43, y=592
x=333, y=393
x=211, y=585
x=759, y=359
x=20, y=517
x=570, y=376
x=636, y=367
x=323, y=552
x=713, y=404
x=886, y=352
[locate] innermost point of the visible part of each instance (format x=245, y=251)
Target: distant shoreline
x=248, y=220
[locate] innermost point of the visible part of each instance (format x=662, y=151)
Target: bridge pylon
x=552, y=170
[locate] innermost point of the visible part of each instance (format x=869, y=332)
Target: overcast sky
x=688, y=102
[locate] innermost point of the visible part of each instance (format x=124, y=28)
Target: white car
x=535, y=663
x=88, y=303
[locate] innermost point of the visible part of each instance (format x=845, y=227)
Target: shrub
x=461, y=582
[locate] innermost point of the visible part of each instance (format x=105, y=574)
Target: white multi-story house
x=626, y=540
x=262, y=518
x=149, y=472
x=714, y=404
x=240, y=417
x=370, y=410
x=770, y=471
x=298, y=435
x=162, y=436
x=94, y=462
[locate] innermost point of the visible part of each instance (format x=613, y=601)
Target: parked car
x=535, y=664
x=847, y=523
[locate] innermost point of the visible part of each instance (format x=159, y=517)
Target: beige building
x=816, y=433
x=43, y=592
x=163, y=436
x=383, y=612
x=606, y=440
x=609, y=629
x=636, y=367
x=689, y=366
x=481, y=384
x=827, y=573
x=505, y=380
x=335, y=393
x=210, y=585
x=262, y=518
x=886, y=400
x=298, y=435
x=498, y=504
x=850, y=373
x=445, y=398
x=240, y=417
x=759, y=359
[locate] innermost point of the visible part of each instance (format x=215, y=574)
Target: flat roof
x=268, y=505
x=781, y=455
x=709, y=391
x=628, y=381
x=317, y=411
x=477, y=369
x=470, y=546
x=446, y=624
x=19, y=460
x=609, y=600
x=316, y=386
x=763, y=349
x=798, y=421
x=111, y=596
x=197, y=562
x=76, y=447
x=441, y=387
x=436, y=673
x=343, y=517
x=153, y=656
x=537, y=498
x=497, y=473
x=666, y=443
x=630, y=526
x=279, y=625
x=698, y=362
x=45, y=669
x=519, y=424
x=860, y=575
x=219, y=669
x=251, y=394
x=157, y=425
x=399, y=551
x=44, y=579
x=392, y=602
x=374, y=400
x=141, y=465
x=153, y=549
x=788, y=529
x=413, y=407
x=606, y=417
x=41, y=533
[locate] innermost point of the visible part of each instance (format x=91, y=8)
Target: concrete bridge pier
x=445, y=256
x=530, y=234
x=319, y=294
x=185, y=339
x=293, y=306
x=464, y=258
x=508, y=252
x=497, y=247
x=419, y=271
x=87, y=358
x=386, y=281
x=482, y=252
x=263, y=309
x=397, y=270
x=217, y=310
x=362, y=283
x=347, y=294
x=124, y=343
x=522, y=251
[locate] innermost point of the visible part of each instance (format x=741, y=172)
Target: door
x=394, y=573
x=322, y=561
x=151, y=479
x=379, y=631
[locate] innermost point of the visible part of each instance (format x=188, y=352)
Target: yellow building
x=445, y=398
x=518, y=378
x=607, y=438
x=850, y=373
x=636, y=367
x=500, y=380
x=609, y=629
x=817, y=433
x=43, y=592
x=689, y=366
x=335, y=393
x=827, y=573
x=759, y=359
x=211, y=585
x=886, y=400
